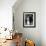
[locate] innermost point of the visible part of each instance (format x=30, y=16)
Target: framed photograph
x=29, y=19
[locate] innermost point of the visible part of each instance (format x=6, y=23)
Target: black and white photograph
x=29, y=19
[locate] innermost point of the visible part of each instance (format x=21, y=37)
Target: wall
x=6, y=13
x=43, y=22
x=29, y=33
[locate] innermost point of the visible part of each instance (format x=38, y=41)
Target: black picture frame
x=29, y=19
